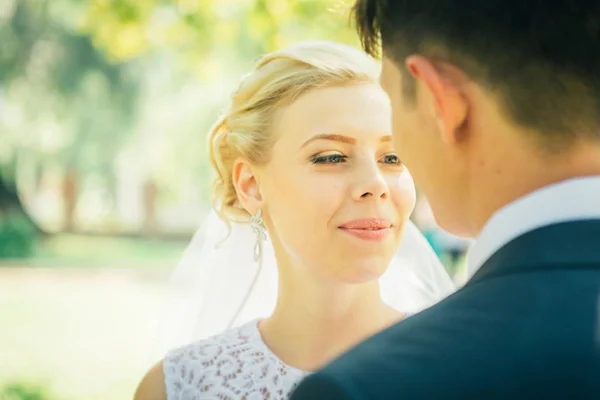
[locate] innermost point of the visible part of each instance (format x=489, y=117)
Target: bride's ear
x=246, y=185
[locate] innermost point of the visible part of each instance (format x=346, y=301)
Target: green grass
x=78, y=318
x=78, y=333
x=25, y=391
x=93, y=251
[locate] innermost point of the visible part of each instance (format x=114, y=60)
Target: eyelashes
x=329, y=159
x=390, y=159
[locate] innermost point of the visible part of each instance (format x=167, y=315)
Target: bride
x=309, y=249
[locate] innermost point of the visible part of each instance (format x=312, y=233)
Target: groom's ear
x=444, y=91
x=246, y=186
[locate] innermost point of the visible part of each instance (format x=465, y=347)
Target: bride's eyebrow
x=339, y=138
x=330, y=136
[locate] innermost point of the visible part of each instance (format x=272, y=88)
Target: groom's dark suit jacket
x=527, y=326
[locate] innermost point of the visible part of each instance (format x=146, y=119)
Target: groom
x=497, y=116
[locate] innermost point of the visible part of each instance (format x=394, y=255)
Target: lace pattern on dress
x=231, y=366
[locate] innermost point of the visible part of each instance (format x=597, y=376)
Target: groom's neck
x=522, y=170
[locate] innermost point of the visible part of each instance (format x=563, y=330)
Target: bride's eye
x=329, y=159
x=391, y=159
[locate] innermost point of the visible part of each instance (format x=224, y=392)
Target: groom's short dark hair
x=542, y=57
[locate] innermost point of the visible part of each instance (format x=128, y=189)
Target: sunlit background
x=104, y=108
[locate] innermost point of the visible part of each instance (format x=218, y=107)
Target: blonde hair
x=277, y=80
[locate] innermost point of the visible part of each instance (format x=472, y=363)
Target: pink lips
x=371, y=229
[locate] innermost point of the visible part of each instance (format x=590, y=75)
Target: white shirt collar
x=571, y=200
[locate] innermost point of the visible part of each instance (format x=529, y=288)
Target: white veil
x=217, y=285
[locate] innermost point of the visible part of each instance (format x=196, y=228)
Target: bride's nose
x=369, y=182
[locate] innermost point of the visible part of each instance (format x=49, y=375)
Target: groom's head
x=487, y=94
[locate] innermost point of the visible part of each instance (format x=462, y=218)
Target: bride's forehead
x=361, y=116
x=330, y=101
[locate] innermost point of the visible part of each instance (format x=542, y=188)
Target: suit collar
x=568, y=245
x=570, y=200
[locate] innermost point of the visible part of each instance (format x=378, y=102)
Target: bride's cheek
x=404, y=199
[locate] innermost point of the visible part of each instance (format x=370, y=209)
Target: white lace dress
x=235, y=365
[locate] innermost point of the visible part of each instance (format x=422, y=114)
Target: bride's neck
x=315, y=321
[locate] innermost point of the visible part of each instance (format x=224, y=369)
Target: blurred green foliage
x=97, y=87
x=22, y=391
x=17, y=236
x=202, y=29
x=63, y=105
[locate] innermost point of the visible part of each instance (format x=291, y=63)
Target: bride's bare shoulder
x=152, y=386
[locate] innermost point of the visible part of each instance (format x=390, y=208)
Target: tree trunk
x=70, y=194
